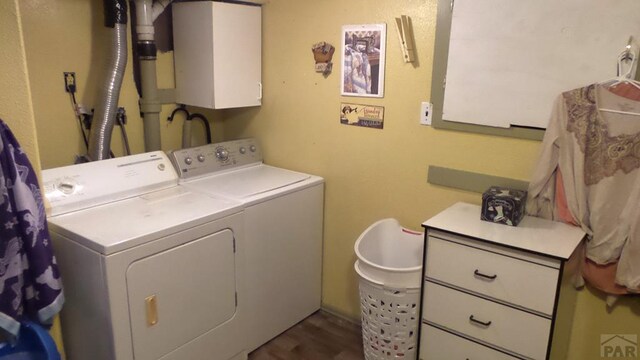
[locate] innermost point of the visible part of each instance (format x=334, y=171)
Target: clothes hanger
x=628, y=55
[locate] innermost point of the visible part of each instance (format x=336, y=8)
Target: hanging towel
x=30, y=285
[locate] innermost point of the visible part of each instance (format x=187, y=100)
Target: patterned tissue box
x=503, y=205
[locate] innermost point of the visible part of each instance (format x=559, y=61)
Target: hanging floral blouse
x=598, y=155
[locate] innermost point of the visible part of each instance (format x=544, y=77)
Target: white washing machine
x=283, y=216
x=151, y=270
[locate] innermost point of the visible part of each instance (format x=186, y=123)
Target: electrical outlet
x=425, y=113
x=70, y=82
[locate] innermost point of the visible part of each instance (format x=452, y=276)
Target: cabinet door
x=237, y=49
x=217, y=54
x=189, y=289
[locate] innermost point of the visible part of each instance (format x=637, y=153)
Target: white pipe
x=150, y=105
x=144, y=19
x=158, y=8
x=146, y=14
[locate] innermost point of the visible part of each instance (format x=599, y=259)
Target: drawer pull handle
x=490, y=277
x=479, y=322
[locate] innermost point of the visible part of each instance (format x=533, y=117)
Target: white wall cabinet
x=493, y=291
x=217, y=54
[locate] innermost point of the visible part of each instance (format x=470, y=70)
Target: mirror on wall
x=499, y=64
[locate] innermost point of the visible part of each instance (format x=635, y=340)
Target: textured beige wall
x=15, y=96
x=372, y=174
x=69, y=35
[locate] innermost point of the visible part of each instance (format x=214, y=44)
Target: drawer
x=500, y=276
x=436, y=344
x=507, y=328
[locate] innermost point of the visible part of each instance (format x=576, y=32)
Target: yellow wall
x=372, y=174
x=42, y=39
x=592, y=319
x=69, y=35
x=15, y=97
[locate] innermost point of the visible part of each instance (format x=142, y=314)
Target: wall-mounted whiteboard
x=509, y=59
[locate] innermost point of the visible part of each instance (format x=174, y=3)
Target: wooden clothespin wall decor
x=405, y=34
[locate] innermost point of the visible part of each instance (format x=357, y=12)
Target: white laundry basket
x=390, y=266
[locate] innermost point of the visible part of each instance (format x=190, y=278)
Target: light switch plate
x=425, y=113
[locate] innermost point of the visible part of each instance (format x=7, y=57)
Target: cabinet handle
x=479, y=322
x=259, y=91
x=490, y=277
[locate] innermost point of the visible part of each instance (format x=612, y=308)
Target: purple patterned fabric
x=30, y=285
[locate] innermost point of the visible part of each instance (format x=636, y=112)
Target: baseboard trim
x=340, y=314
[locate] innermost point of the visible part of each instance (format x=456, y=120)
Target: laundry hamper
x=390, y=266
x=33, y=343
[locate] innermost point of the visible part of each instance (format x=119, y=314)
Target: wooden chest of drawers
x=497, y=292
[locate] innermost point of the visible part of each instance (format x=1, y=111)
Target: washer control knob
x=252, y=148
x=222, y=154
x=242, y=150
x=201, y=158
x=188, y=160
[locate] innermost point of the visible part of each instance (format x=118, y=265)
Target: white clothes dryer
x=151, y=270
x=283, y=217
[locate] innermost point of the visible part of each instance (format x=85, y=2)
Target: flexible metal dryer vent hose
x=106, y=109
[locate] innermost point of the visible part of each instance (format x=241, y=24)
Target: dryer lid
x=81, y=186
x=121, y=225
x=249, y=181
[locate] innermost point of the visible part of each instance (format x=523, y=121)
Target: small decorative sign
x=362, y=115
x=322, y=54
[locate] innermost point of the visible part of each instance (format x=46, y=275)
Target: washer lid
x=249, y=181
x=121, y=225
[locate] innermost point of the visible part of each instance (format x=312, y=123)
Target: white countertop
x=532, y=234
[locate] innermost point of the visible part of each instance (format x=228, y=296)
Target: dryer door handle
x=151, y=303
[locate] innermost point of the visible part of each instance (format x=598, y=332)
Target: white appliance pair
x=209, y=268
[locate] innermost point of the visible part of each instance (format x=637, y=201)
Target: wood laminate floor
x=321, y=336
